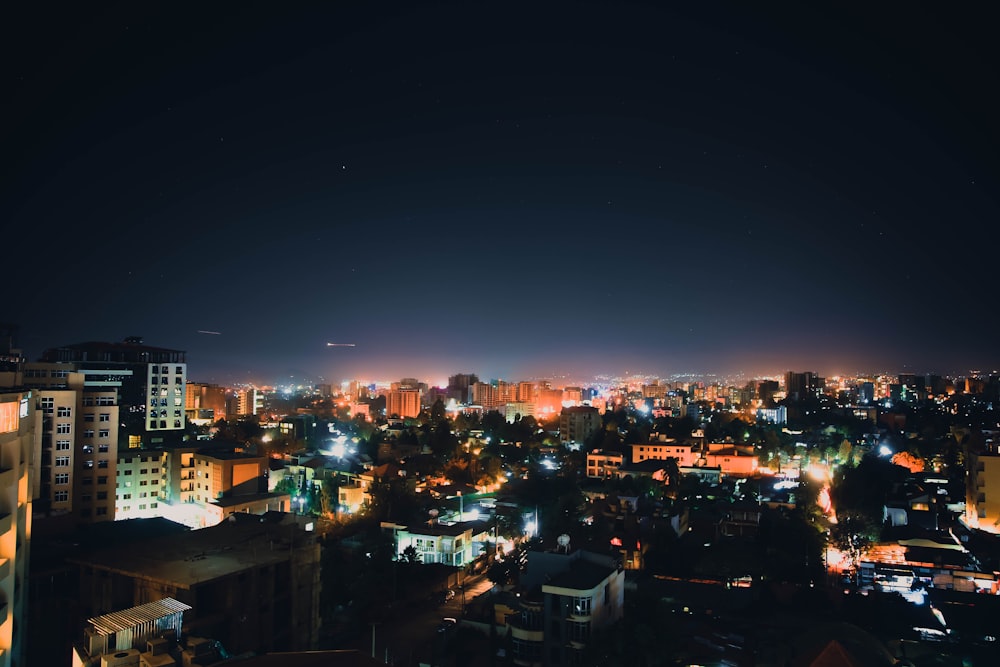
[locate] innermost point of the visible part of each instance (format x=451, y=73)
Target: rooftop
x=582, y=575
x=188, y=559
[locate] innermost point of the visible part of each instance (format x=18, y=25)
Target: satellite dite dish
x=563, y=541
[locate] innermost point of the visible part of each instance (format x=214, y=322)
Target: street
x=413, y=631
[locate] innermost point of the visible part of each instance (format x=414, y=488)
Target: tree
x=853, y=534
x=410, y=556
x=330, y=496
x=287, y=485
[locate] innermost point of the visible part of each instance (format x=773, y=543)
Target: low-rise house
x=450, y=544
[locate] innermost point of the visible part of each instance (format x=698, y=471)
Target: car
x=446, y=625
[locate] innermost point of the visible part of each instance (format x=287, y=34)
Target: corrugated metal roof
x=129, y=618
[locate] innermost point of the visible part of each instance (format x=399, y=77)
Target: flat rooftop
x=191, y=558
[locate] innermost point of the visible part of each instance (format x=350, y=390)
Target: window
x=88, y=418
x=179, y=370
x=155, y=471
x=62, y=461
x=127, y=496
x=62, y=428
x=154, y=494
x=142, y=507
x=102, y=463
x=104, y=433
x=62, y=478
x=100, y=511
x=102, y=449
x=87, y=481
x=102, y=495
x=153, y=506
x=143, y=495
x=63, y=411
x=143, y=482
x=154, y=482
x=60, y=496
x=154, y=370
x=48, y=405
x=105, y=417
x=581, y=606
x=88, y=464
x=128, y=472
x=578, y=631
x=62, y=445
x=105, y=400
x=102, y=480
x=143, y=471
x=88, y=433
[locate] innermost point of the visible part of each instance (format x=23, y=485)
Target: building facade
x=19, y=448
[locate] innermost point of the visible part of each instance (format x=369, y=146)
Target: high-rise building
x=486, y=395
x=80, y=431
x=402, y=402
x=803, y=386
x=19, y=423
x=152, y=385
x=245, y=402
x=460, y=386
x=526, y=392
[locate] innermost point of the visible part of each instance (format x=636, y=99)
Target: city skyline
x=570, y=189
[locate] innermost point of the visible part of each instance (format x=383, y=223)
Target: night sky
x=515, y=190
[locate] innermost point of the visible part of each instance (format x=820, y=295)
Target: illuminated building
x=19, y=422
x=572, y=396
x=549, y=401
x=486, y=395
x=79, y=440
x=778, y=415
x=603, y=464
x=402, y=403
x=152, y=385
x=526, y=392
x=437, y=543
x=803, y=386
x=141, y=481
x=514, y=410
x=205, y=403
x=245, y=403
x=982, y=495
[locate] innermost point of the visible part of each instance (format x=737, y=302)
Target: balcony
x=5, y=523
x=526, y=635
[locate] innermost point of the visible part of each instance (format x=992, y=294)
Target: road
x=413, y=631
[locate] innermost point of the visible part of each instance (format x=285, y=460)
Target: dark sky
x=509, y=189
